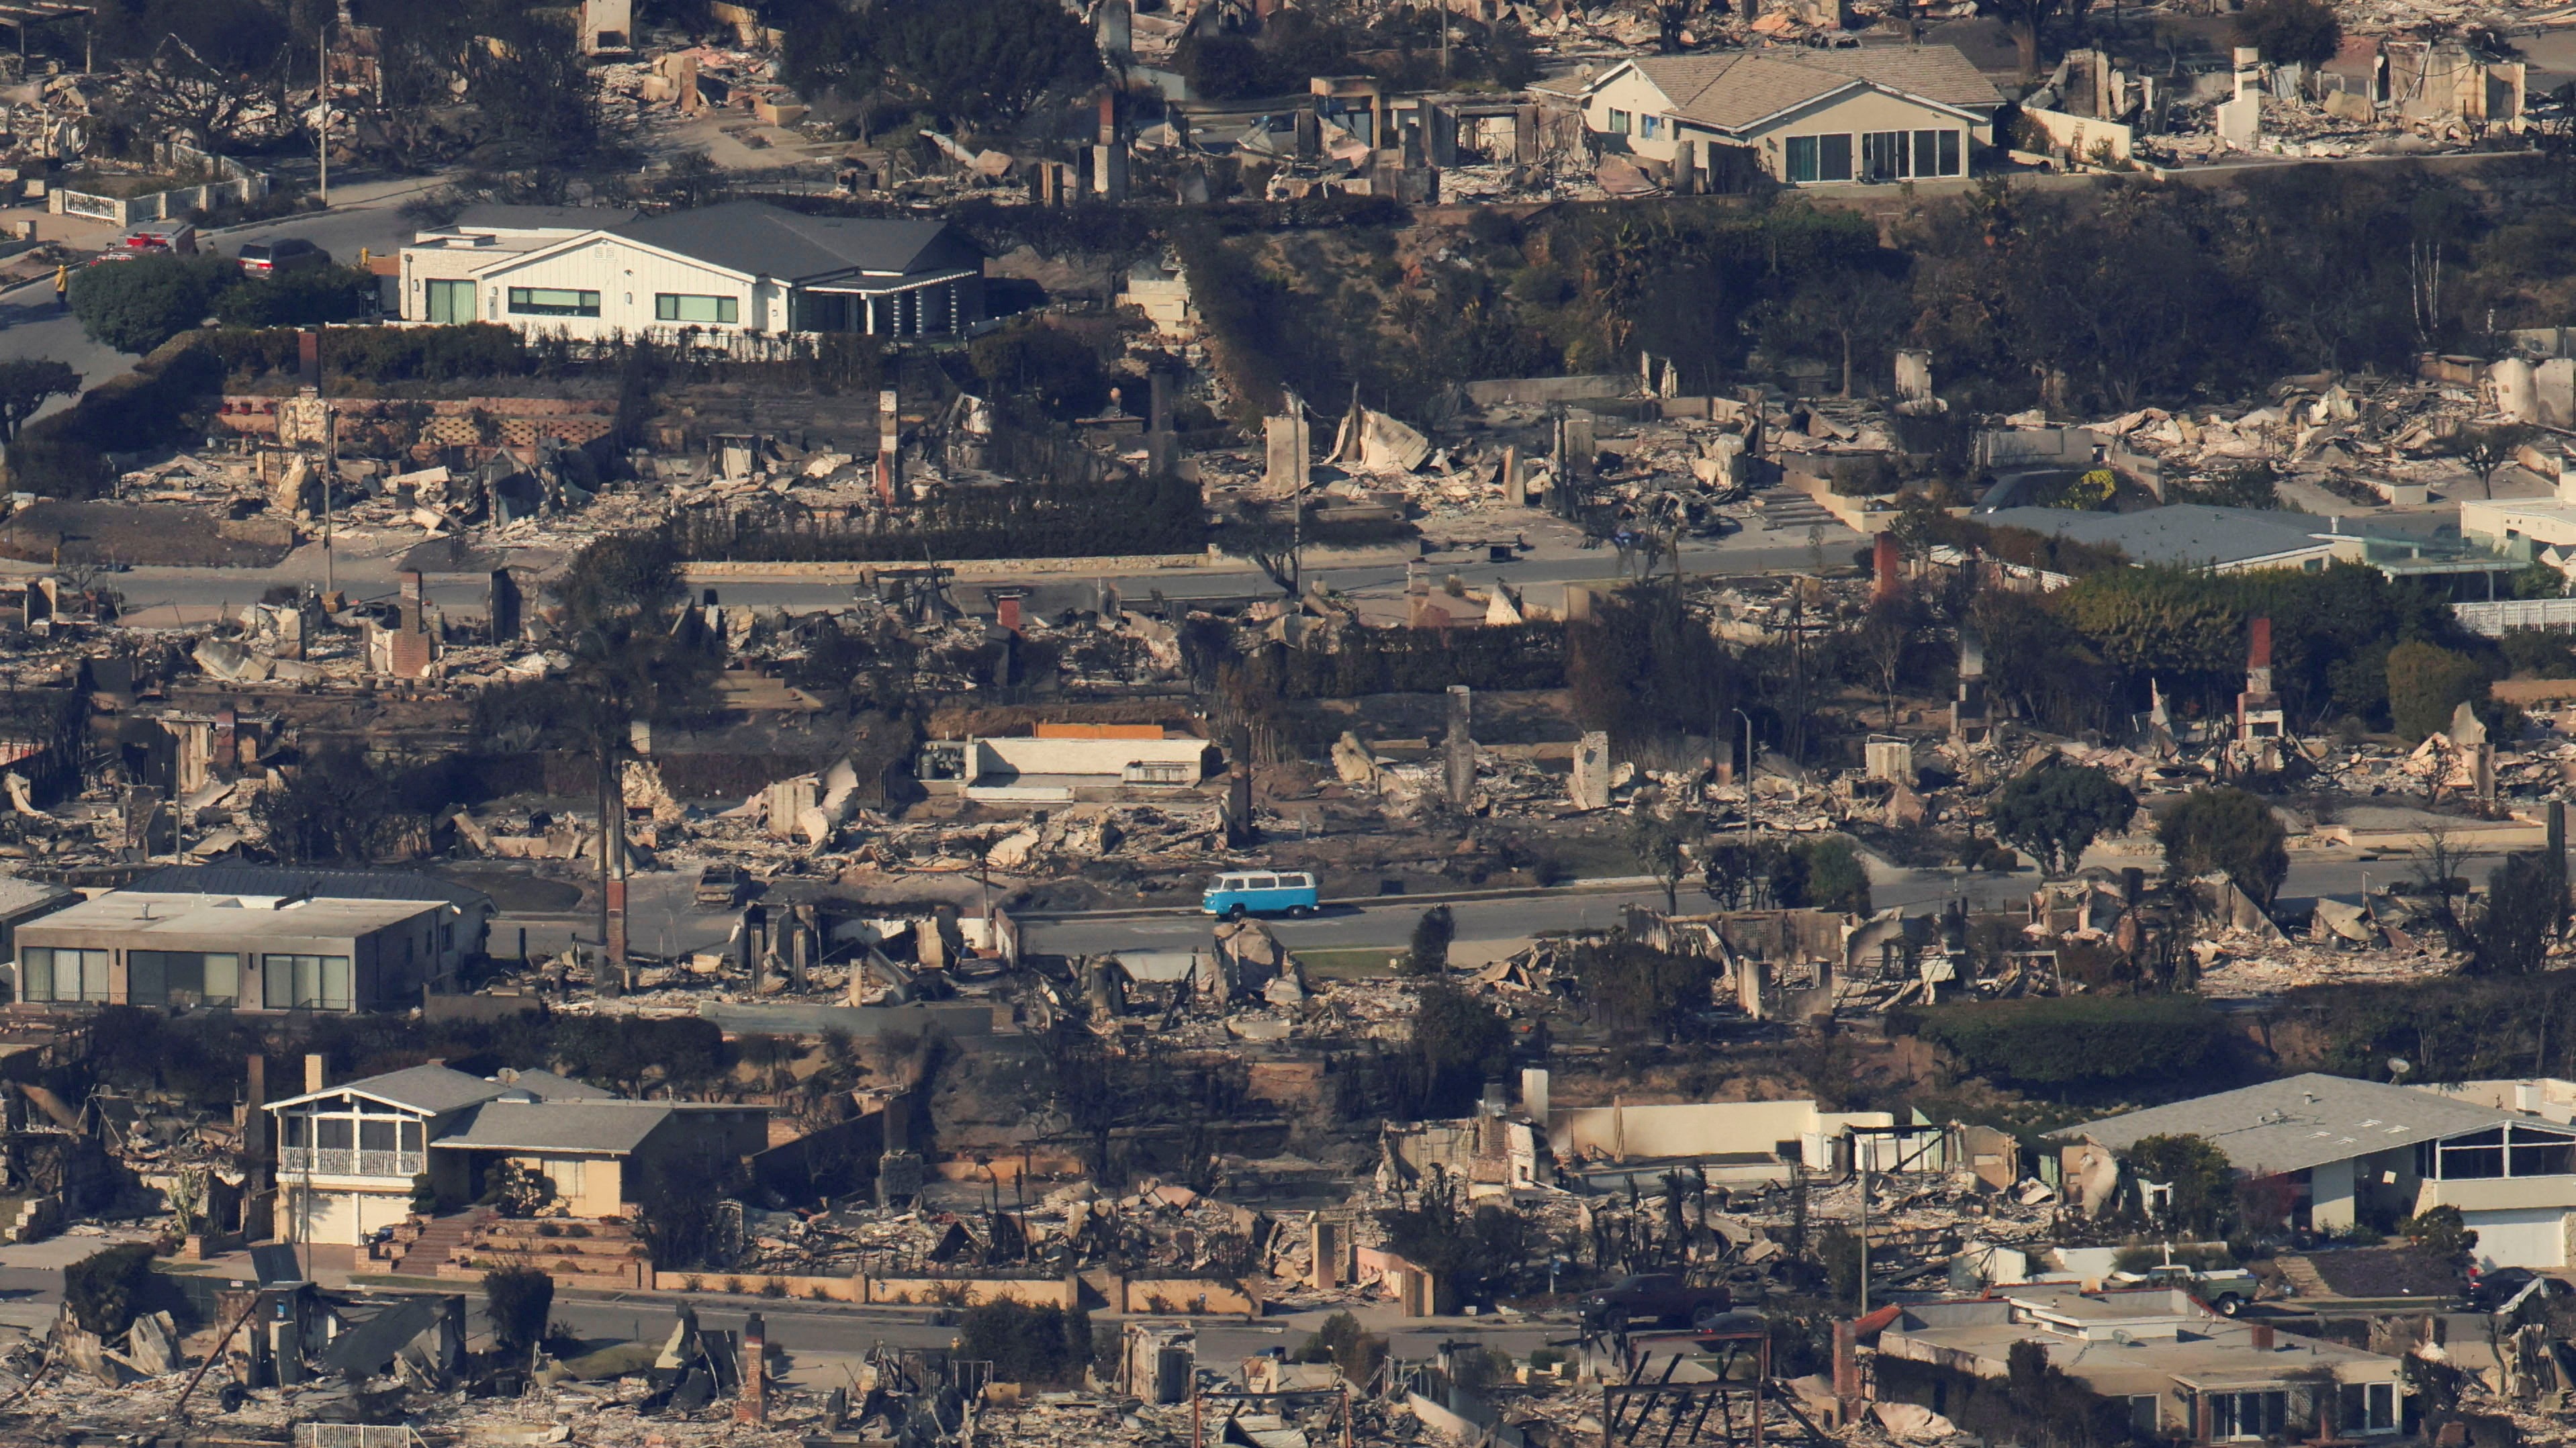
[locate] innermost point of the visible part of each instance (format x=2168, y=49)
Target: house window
x=1650, y=127
x=63, y=975
x=1802, y=158
x=451, y=301
x=1820, y=158
x=2366, y=1408
x=2236, y=1417
x=2474, y=1156
x=1618, y=123
x=2142, y=1414
x=307, y=982
x=2537, y=1151
x=674, y=307
x=181, y=977
x=1936, y=153
x=552, y=302
x=1885, y=156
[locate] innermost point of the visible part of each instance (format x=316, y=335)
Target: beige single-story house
x=1804, y=116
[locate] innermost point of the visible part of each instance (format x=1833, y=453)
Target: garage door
x=327, y=1217
x=2532, y=1237
x=381, y=1211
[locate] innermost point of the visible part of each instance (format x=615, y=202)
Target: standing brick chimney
x=753, y=1405
x=317, y=1072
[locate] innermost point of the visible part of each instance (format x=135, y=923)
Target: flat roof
x=284, y=880
x=151, y=912
x=2299, y=1122
x=2181, y=534
x=2211, y=1351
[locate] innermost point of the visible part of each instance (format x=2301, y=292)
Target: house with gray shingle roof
x=350, y=1157
x=1802, y=116
x=2373, y=1153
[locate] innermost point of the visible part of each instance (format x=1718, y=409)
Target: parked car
x=1260, y=892
x=2225, y=1289
x=285, y=253
x=1658, y=1297
x=721, y=887
x=2506, y=1287
x=152, y=238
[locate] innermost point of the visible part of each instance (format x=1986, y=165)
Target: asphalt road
x=1223, y=1342
x=170, y=596
x=1519, y=917
x=366, y=215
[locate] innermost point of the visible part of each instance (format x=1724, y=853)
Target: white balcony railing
x=341, y=1161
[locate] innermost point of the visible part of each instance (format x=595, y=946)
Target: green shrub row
x=2072, y=1040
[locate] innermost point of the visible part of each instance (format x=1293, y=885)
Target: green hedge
x=378, y=354
x=2071, y=1041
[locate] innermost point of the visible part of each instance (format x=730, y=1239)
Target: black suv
x=1655, y=1297
x=286, y=253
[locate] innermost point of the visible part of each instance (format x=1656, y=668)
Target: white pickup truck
x=2225, y=1289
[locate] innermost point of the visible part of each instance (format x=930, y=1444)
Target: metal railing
x=341, y=1161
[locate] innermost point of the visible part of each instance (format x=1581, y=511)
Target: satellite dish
x=2399, y=1066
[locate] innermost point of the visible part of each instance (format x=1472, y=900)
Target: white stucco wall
x=628, y=278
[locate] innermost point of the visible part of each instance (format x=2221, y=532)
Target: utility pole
x=322, y=123
x=330, y=470
x=1857, y=1142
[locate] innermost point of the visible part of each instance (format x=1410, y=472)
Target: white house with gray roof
x=2365, y=1151
x=1805, y=116
x=348, y=1155
x=706, y=276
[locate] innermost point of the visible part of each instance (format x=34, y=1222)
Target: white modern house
x=2365, y=1151
x=740, y=269
x=1804, y=116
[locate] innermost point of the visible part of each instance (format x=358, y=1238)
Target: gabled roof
x=547, y=1086
x=285, y=880
x=434, y=1090
x=1738, y=89
x=612, y=1127
x=757, y=239
x=2301, y=1122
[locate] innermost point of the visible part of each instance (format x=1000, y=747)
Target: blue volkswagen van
x=1236, y=894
